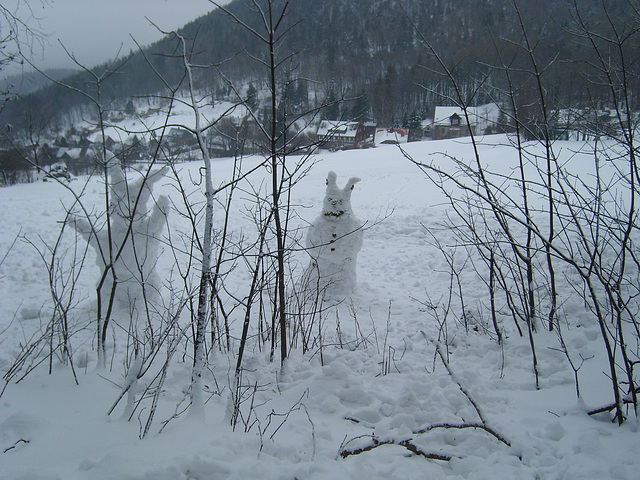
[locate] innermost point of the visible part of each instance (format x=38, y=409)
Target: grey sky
x=94, y=30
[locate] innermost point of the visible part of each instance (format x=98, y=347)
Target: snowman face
x=337, y=201
x=333, y=206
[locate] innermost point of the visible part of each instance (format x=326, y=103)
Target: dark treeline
x=375, y=49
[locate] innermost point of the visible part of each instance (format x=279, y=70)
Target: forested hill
x=393, y=51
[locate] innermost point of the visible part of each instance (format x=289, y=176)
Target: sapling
x=333, y=242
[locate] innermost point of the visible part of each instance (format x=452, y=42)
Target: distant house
x=179, y=139
x=151, y=111
x=583, y=124
x=73, y=153
x=340, y=135
x=369, y=131
x=451, y=122
x=97, y=138
x=231, y=134
x=180, y=135
x=391, y=136
x=78, y=160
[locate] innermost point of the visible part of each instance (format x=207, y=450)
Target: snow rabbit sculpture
x=135, y=233
x=333, y=241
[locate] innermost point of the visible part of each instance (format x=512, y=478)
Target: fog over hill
x=29, y=82
x=393, y=53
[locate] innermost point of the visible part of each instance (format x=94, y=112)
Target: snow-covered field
x=377, y=374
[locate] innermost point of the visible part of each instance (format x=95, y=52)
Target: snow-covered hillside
x=388, y=370
x=159, y=117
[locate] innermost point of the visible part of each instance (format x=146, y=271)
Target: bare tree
x=281, y=137
x=20, y=37
x=588, y=225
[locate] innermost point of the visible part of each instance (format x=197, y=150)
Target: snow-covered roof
x=443, y=114
x=73, y=153
x=482, y=116
x=337, y=128
x=391, y=135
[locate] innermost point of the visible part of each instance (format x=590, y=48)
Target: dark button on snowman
x=333, y=242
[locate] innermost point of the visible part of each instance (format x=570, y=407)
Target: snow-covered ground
x=378, y=372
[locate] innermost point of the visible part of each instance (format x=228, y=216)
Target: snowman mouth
x=334, y=214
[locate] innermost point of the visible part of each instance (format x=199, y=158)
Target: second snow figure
x=333, y=242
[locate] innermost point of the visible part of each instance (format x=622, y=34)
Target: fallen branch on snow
x=607, y=408
x=376, y=442
x=480, y=426
x=22, y=440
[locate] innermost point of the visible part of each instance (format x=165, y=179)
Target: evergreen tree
x=129, y=109
x=360, y=108
x=252, y=97
x=332, y=110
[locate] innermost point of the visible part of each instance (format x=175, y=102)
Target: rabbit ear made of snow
x=350, y=184
x=331, y=179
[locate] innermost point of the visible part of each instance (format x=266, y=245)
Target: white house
x=338, y=134
x=451, y=122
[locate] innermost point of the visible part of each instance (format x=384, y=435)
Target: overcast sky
x=94, y=30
